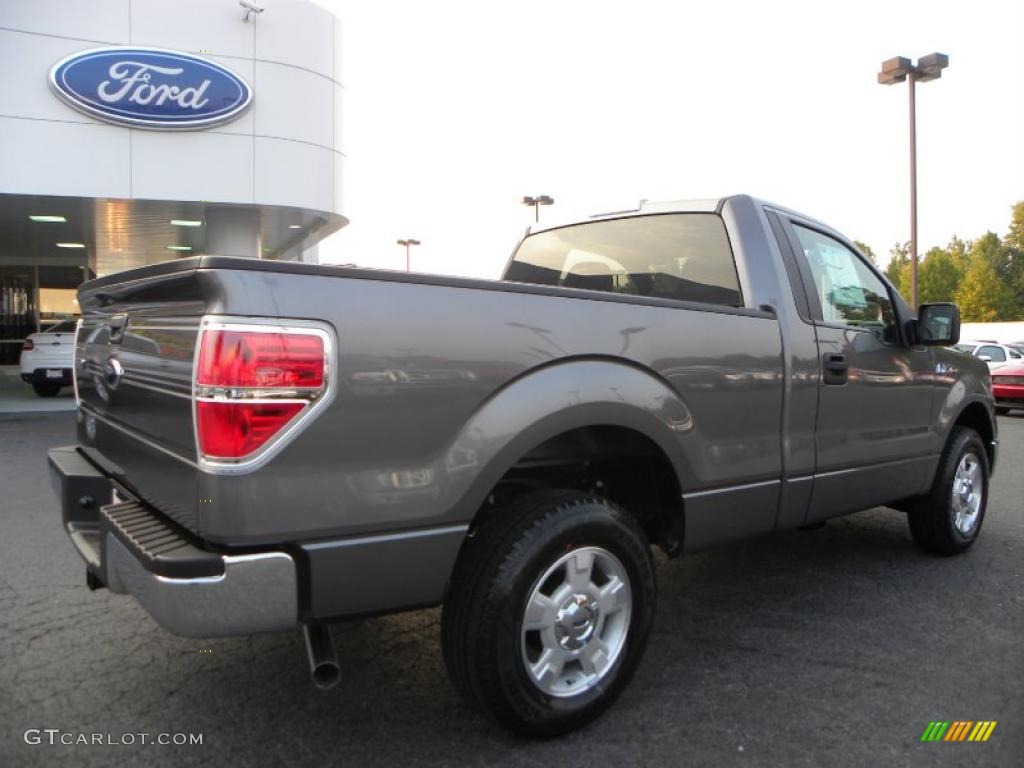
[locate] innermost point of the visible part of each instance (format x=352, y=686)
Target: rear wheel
x=1002, y=410
x=948, y=519
x=46, y=389
x=549, y=612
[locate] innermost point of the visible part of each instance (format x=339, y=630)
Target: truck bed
x=422, y=365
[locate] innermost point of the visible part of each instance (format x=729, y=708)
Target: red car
x=1008, y=387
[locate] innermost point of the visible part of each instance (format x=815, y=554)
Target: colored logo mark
x=959, y=730
x=150, y=88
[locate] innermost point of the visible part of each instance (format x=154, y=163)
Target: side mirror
x=938, y=325
x=986, y=358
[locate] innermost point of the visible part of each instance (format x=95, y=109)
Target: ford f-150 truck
x=267, y=446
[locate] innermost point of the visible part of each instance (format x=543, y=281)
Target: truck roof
x=696, y=205
x=705, y=205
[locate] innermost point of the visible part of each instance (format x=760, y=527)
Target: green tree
x=938, y=277
x=984, y=276
x=990, y=248
x=1014, y=244
x=866, y=250
x=898, y=269
x=982, y=296
x=1015, y=237
x=959, y=251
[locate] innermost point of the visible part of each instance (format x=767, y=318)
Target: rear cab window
x=680, y=256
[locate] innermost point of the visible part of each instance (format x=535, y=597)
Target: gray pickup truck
x=266, y=446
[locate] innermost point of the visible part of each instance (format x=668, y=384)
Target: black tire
x=1002, y=410
x=932, y=517
x=46, y=389
x=497, y=571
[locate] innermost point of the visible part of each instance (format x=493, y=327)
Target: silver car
x=994, y=354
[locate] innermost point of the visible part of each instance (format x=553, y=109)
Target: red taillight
x=250, y=384
x=246, y=359
x=234, y=429
x=28, y=346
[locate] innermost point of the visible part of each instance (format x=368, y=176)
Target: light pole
x=408, y=244
x=537, y=202
x=896, y=71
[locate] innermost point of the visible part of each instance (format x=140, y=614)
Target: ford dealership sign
x=150, y=88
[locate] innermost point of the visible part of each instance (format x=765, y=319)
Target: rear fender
x=555, y=400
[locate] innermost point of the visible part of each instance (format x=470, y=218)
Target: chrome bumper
x=189, y=590
x=256, y=593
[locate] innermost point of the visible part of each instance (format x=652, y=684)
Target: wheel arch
x=977, y=415
x=573, y=412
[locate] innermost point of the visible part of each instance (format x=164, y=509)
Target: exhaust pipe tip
x=326, y=675
x=323, y=661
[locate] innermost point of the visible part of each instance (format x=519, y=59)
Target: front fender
x=962, y=380
x=964, y=387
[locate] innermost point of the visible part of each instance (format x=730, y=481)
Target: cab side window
x=848, y=291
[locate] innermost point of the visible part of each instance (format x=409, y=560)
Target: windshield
x=65, y=326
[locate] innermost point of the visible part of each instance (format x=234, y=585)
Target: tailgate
x=133, y=368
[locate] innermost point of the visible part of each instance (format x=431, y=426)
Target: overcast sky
x=455, y=110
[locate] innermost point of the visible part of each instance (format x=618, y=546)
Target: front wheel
x=549, y=612
x=947, y=520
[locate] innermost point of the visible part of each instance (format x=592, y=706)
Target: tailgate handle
x=836, y=368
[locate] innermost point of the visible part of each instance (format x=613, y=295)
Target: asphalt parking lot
x=830, y=647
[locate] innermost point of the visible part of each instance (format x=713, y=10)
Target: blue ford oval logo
x=150, y=88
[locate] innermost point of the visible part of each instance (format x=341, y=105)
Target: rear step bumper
x=189, y=590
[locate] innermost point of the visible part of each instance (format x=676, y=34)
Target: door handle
x=835, y=368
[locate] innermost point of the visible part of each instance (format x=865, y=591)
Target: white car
x=47, y=357
x=996, y=355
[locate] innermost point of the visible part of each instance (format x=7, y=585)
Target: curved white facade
x=285, y=150
x=84, y=194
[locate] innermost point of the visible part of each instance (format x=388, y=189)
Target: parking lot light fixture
x=893, y=71
x=408, y=243
x=537, y=202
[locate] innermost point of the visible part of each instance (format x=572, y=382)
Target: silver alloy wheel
x=575, y=621
x=968, y=488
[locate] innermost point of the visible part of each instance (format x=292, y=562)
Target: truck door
x=873, y=433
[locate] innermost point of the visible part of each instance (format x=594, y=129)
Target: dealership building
x=136, y=131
